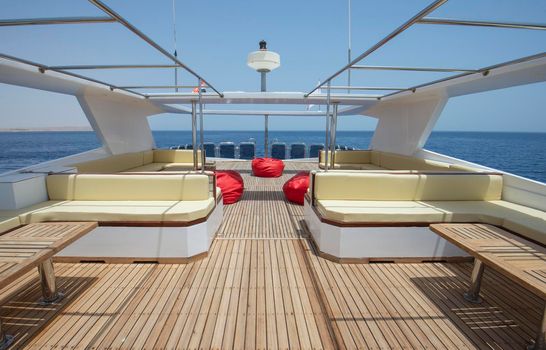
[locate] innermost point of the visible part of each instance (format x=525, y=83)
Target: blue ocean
x=518, y=153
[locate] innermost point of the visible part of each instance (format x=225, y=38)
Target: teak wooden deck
x=263, y=286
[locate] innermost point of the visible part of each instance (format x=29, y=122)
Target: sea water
x=518, y=153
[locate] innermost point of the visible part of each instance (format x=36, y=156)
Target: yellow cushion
x=147, y=157
x=175, y=156
x=128, y=187
x=111, y=164
x=400, y=162
x=385, y=186
x=189, y=210
x=377, y=211
x=22, y=213
x=458, y=167
x=361, y=186
x=9, y=223
x=178, y=167
x=103, y=211
x=60, y=187
x=124, y=211
x=150, y=167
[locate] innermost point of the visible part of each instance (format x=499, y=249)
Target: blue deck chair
x=314, y=150
x=247, y=150
x=278, y=150
x=210, y=149
x=227, y=150
x=297, y=150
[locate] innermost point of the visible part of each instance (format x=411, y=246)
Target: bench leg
x=5, y=340
x=473, y=293
x=50, y=294
x=540, y=340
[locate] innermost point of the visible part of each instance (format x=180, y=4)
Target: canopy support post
x=326, y=141
x=194, y=134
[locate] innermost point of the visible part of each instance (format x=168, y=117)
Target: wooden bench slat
x=25, y=248
x=522, y=261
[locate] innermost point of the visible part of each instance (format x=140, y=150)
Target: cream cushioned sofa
x=360, y=198
x=147, y=161
x=376, y=160
x=124, y=198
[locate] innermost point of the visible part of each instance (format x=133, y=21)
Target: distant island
x=59, y=128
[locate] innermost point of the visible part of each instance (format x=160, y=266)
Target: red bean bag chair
x=232, y=185
x=267, y=167
x=296, y=187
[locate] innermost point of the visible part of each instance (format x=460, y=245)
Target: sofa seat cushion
x=147, y=168
x=189, y=210
x=178, y=167
x=103, y=211
x=9, y=223
x=526, y=221
x=355, y=211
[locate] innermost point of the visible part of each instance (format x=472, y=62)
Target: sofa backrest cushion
x=97, y=187
x=175, y=156
x=112, y=164
x=425, y=187
x=401, y=162
x=348, y=157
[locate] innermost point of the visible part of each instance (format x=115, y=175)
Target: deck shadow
x=498, y=322
x=22, y=315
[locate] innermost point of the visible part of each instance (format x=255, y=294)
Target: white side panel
x=147, y=242
x=378, y=242
x=385, y=242
x=404, y=128
x=22, y=190
x=120, y=122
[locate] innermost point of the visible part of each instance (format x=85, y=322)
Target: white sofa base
x=168, y=244
x=378, y=243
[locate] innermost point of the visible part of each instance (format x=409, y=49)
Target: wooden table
x=522, y=261
x=32, y=246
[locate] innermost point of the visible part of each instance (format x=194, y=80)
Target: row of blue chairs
x=247, y=150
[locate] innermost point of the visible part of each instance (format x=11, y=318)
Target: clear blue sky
x=214, y=38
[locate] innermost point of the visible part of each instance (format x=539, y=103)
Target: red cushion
x=295, y=188
x=232, y=185
x=267, y=167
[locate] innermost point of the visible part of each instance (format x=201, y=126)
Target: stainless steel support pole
x=266, y=136
x=263, y=88
x=326, y=141
x=201, y=132
x=5, y=339
x=473, y=293
x=48, y=282
x=333, y=131
x=540, y=340
x=194, y=134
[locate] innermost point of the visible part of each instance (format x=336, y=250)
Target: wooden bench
x=522, y=261
x=32, y=246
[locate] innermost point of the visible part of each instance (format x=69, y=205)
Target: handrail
x=414, y=69
x=162, y=87
x=115, y=66
x=484, y=71
x=366, y=88
x=99, y=4
x=58, y=20
x=42, y=68
x=383, y=41
x=460, y=22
